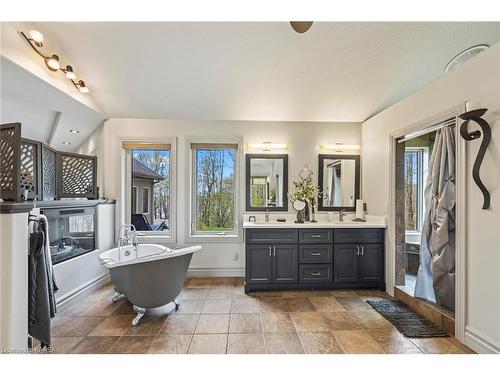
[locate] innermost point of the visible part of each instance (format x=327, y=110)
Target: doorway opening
x=424, y=221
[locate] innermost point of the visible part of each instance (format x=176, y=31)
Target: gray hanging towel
x=436, y=275
x=41, y=298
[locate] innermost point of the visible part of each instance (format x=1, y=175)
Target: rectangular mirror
x=266, y=182
x=338, y=180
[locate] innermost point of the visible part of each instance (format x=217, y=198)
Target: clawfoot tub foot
x=177, y=304
x=140, y=313
x=117, y=296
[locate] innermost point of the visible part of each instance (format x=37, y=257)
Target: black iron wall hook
x=475, y=116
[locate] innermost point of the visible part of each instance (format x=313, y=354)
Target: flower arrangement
x=305, y=191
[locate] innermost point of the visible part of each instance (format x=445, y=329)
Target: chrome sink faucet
x=341, y=215
x=267, y=216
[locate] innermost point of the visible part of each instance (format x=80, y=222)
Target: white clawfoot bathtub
x=148, y=275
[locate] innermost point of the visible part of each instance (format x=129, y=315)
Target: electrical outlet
x=236, y=256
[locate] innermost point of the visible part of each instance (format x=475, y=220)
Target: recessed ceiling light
x=74, y=131
x=67, y=143
x=464, y=56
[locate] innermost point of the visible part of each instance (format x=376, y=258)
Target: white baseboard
x=480, y=343
x=83, y=290
x=216, y=272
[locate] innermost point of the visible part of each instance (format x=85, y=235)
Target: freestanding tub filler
x=147, y=275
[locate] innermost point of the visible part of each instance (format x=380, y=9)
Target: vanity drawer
x=312, y=235
x=256, y=236
x=353, y=235
x=315, y=253
x=315, y=273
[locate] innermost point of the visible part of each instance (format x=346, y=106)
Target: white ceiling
x=34, y=103
x=260, y=71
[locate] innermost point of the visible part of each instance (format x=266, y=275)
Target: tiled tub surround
x=215, y=316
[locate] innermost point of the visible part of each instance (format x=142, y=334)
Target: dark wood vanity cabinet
x=317, y=258
x=359, y=256
x=271, y=263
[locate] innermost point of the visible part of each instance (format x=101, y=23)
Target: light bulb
x=53, y=63
x=37, y=36
x=81, y=86
x=69, y=72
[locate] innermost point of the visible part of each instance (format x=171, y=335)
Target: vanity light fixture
x=339, y=147
x=67, y=143
x=35, y=40
x=268, y=146
x=74, y=131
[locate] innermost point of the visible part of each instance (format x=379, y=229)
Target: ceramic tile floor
x=216, y=316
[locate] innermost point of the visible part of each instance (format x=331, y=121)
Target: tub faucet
x=128, y=236
x=267, y=216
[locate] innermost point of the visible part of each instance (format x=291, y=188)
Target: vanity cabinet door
x=371, y=259
x=345, y=263
x=285, y=264
x=259, y=261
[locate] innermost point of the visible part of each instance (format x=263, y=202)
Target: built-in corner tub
x=148, y=275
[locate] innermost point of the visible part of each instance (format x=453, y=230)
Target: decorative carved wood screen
x=76, y=175
x=30, y=168
x=10, y=138
x=27, y=165
x=49, y=168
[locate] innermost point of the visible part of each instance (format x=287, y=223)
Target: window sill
x=213, y=238
x=151, y=237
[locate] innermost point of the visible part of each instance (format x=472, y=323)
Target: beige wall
x=479, y=78
x=303, y=139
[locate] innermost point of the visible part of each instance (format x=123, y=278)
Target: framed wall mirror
x=338, y=180
x=266, y=182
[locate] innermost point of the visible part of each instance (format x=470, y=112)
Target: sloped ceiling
x=260, y=71
x=34, y=103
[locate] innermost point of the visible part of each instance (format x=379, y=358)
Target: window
x=145, y=200
x=214, y=189
x=415, y=169
x=150, y=187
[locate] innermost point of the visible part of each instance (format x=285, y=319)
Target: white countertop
x=320, y=224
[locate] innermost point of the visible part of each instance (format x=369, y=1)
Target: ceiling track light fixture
x=35, y=40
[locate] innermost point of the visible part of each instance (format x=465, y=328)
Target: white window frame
x=149, y=200
x=191, y=234
x=423, y=161
x=126, y=181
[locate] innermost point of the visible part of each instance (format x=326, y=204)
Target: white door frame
x=460, y=211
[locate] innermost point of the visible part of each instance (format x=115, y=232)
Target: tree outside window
x=214, y=184
x=412, y=188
